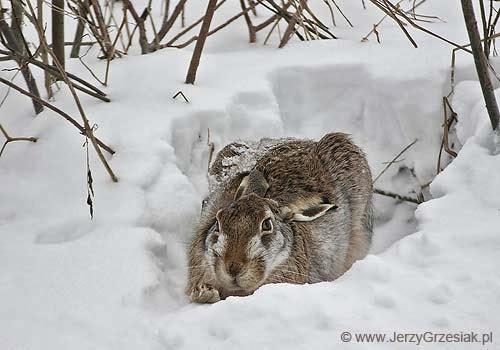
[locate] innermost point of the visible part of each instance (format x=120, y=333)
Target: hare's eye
x=267, y=225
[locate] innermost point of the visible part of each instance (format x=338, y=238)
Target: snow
x=117, y=282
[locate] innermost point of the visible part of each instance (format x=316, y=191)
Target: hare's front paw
x=204, y=293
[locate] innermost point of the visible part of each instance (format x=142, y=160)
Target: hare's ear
x=254, y=182
x=306, y=209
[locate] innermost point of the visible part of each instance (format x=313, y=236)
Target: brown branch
x=83, y=43
x=276, y=24
x=481, y=63
x=124, y=19
x=395, y=159
x=94, y=28
x=397, y=196
x=130, y=37
x=188, y=28
x=200, y=43
x=290, y=29
x=309, y=27
x=153, y=25
x=447, y=123
x=375, y=26
x=342, y=13
x=280, y=11
x=88, y=130
x=266, y=23
x=102, y=27
x=252, y=35
x=9, y=139
x=394, y=11
x=10, y=42
x=317, y=21
x=58, y=30
x=485, y=25
x=183, y=16
x=453, y=59
x=75, y=51
x=139, y=20
x=331, y=12
x=54, y=71
x=253, y=7
x=168, y=22
x=491, y=30
x=401, y=25
x=55, y=109
x=45, y=58
x=118, y=35
x=213, y=31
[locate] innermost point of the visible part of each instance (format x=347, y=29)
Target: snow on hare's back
x=288, y=210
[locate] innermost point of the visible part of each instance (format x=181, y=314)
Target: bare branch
x=200, y=43
x=481, y=63
x=396, y=196
x=395, y=159
x=9, y=139
x=55, y=109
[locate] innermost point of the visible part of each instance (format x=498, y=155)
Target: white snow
x=116, y=282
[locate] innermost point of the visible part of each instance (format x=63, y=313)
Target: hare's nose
x=234, y=268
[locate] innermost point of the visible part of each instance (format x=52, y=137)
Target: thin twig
x=55, y=109
x=88, y=130
x=183, y=96
x=54, y=70
x=193, y=25
x=113, y=47
x=447, y=126
x=213, y=31
x=447, y=123
x=211, y=149
x=9, y=139
x=394, y=160
x=396, y=196
x=394, y=11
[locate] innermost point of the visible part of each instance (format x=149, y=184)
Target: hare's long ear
x=254, y=182
x=307, y=209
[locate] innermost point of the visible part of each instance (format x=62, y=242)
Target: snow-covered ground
x=116, y=282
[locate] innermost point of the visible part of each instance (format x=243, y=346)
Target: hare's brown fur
x=328, y=181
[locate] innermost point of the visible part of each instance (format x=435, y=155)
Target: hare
x=289, y=210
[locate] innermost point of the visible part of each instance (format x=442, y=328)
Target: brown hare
x=288, y=210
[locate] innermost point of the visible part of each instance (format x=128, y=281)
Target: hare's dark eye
x=267, y=225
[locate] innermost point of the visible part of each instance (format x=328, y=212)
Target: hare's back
x=293, y=168
x=346, y=163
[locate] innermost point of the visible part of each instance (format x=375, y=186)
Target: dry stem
x=55, y=109
x=9, y=139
